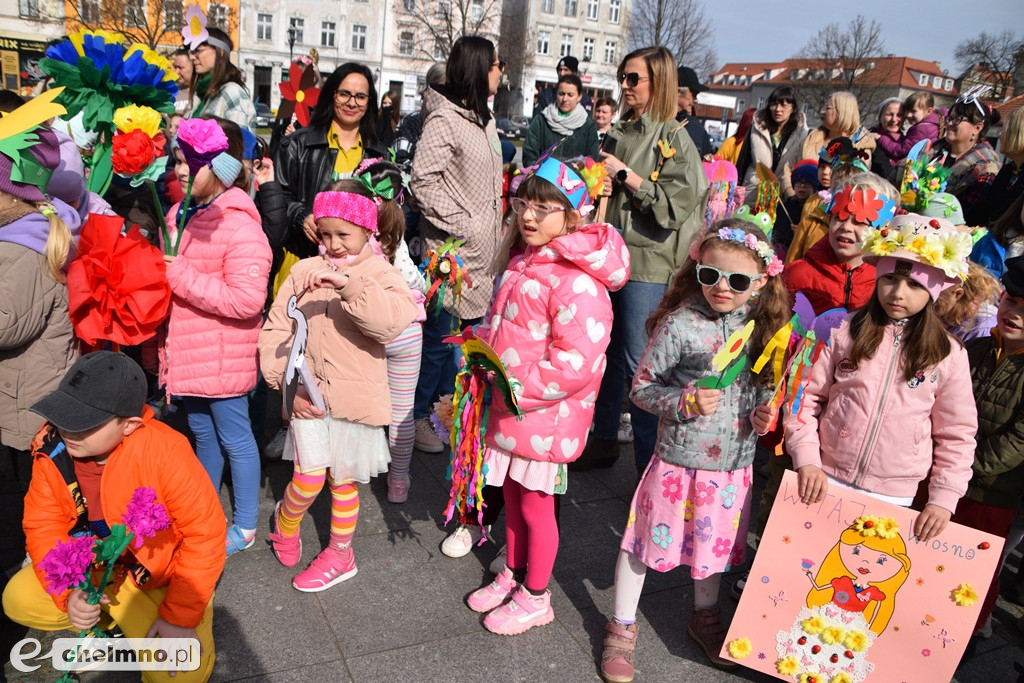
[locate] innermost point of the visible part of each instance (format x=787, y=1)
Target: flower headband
x=932, y=243
x=882, y=527
x=764, y=251
x=864, y=205
x=348, y=206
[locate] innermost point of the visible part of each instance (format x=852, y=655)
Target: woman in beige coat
x=840, y=118
x=776, y=140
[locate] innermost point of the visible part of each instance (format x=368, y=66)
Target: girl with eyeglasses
x=776, y=140
x=657, y=202
x=692, y=505
x=965, y=150
x=217, y=87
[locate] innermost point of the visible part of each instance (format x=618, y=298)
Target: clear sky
x=762, y=31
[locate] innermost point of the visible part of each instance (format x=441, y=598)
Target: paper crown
x=569, y=183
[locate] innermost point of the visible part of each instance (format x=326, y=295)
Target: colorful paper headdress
x=863, y=204
x=725, y=194
x=841, y=151
x=569, y=183
x=932, y=242
x=194, y=31
x=923, y=178
x=299, y=93
x=29, y=154
x=973, y=96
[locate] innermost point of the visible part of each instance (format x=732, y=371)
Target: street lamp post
x=291, y=43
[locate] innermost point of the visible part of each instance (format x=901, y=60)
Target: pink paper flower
x=67, y=563
x=144, y=516
x=200, y=140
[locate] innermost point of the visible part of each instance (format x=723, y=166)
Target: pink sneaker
x=287, y=549
x=494, y=594
x=329, y=568
x=398, y=489
x=520, y=614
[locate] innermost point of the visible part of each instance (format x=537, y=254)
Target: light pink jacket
x=870, y=427
x=550, y=322
x=219, y=285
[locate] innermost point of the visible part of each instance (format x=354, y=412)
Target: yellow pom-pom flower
x=841, y=677
x=814, y=625
x=964, y=595
x=832, y=635
x=134, y=117
x=740, y=648
x=787, y=666
x=856, y=641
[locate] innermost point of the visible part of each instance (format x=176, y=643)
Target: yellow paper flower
x=832, y=635
x=733, y=347
x=740, y=648
x=883, y=247
x=78, y=37
x=787, y=666
x=155, y=58
x=134, y=117
x=814, y=625
x=841, y=677
x=867, y=525
x=855, y=640
x=964, y=595
x=811, y=678
x=887, y=527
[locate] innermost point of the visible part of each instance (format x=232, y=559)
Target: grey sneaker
x=426, y=439
x=625, y=429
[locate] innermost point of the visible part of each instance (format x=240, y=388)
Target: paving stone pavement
x=403, y=616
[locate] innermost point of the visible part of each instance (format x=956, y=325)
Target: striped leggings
x=403, y=356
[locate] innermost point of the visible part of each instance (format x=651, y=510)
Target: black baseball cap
x=571, y=62
x=1013, y=276
x=99, y=386
x=688, y=79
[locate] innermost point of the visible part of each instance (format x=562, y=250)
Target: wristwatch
x=621, y=175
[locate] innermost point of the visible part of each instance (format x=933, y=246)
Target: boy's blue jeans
x=221, y=426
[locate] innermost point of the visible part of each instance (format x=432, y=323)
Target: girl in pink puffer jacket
x=549, y=322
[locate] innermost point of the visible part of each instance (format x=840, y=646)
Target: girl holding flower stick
x=218, y=265
x=692, y=505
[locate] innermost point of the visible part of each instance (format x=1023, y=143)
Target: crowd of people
x=605, y=274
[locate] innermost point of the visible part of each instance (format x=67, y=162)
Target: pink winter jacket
x=219, y=285
x=550, y=322
x=869, y=427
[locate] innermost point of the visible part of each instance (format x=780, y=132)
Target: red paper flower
x=865, y=205
x=132, y=152
x=299, y=93
x=840, y=205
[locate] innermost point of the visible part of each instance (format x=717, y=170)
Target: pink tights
x=531, y=533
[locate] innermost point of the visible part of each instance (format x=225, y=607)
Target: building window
x=439, y=50
x=547, y=6
x=29, y=8
x=264, y=26
x=609, y=52
x=923, y=80
x=444, y=9
x=90, y=11
x=570, y=8
x=543, y=42
x=741, y=105
x=948, y=84
x=760, y=103
x=359, y=37
x=298, y=29
x=219, y=16
x=593, y=9
x=174, y=15
x=476, y=11
x=327, y=33
x=614, y=9
x=135, y=13
x=406, y=40
x=565, y=49
x=588, y=49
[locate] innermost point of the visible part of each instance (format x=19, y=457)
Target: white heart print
x=530, y=288
x=597, y=259
x=566, y=314
x=584, y=283
x=616, y=277
x=573, y=357
x=541, y=446
x=595, y=330
x=511, y=310
x=554, y=281
x=569, y=447
x=505, y=442
x=539, y=331
x=510, y=358
x=552, y=392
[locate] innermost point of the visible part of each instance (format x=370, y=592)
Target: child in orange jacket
x=100, y=432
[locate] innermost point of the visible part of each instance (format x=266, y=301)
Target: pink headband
x=354, y=208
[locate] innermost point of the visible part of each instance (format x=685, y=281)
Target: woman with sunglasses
x=658, y=199
x=776, y=139
x=456, y=179
x=342, y=131
x=964, y=150
x=217, y=87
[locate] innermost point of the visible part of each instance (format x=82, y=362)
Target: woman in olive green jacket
x=658, y=200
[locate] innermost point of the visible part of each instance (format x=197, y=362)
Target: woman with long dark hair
x=217, y=87
x=342, y=131
x=776, y=139
x=456, y=179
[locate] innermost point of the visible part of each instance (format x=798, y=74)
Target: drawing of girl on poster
x=863, y=571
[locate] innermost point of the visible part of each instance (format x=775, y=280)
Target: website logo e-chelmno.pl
x=109, y=654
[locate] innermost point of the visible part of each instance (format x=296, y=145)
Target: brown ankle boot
x=706, y=628
x=617, y=655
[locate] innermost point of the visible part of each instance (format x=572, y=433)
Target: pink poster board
x=887, y=607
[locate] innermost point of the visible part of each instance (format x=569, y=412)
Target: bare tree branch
x=843, y=58
x=997, y=53
x=681, y=26
x=439, y=23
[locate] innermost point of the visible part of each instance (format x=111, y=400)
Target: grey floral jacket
x=677, y=356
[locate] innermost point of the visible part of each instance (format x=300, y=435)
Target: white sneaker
x=275, y=447
x=625, y=428
x=986, y=630
x=426, y=439
x=462, y=540
x=499, y=562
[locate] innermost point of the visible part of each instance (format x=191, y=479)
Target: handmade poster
x=842, y=592
x=297, y=371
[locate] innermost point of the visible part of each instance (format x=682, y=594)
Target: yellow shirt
x=348, y=160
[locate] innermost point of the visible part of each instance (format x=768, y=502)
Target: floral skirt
x=682, y=516
x=536, y=475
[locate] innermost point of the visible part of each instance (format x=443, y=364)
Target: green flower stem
x=159, y=212
x=184, y=212
x=96, y=595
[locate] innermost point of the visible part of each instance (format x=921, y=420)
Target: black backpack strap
x=53, y=447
